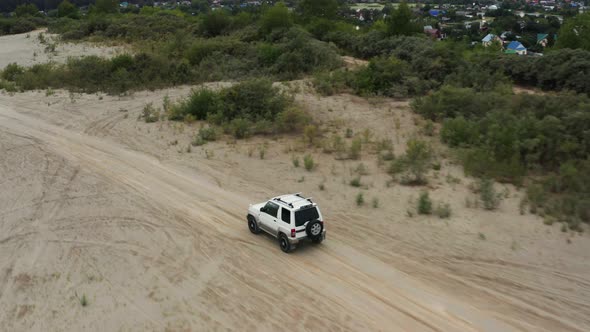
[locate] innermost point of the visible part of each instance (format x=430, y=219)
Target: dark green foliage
x=150, y=113
x=308, y=162
x=318, y=8
x=250, y=107
x=360, y=199
x=200, y=104
x=414, y=163
x=10, y=26
x=504, y=135
x=563, y=69
x=215, y=23
x=276, y=17
x=254, y=100
x=488, y=195
x=208, y=134
x=400, y=22
x=91, y=74
x=105, y=7
x=424, y=204
x=12, y=71
x=575, y=33
x=67, y=9
x=26, y=10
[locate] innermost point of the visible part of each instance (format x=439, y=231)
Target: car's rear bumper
x=295, y=241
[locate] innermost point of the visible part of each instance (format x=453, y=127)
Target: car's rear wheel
x=253, y=225
x=284, y=243
x=314, y=230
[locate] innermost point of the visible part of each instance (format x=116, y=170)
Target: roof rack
x=278, y=199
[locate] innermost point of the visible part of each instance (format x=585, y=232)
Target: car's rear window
x=303, y=216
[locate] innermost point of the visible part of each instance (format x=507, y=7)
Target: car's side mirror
x=262, y=209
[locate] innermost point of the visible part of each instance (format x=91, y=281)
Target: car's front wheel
x=253, y=225
x=284, y=243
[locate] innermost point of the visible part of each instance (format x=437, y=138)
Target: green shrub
x=276, y=17
x=360, y=199
x=215, y=23
x=443, y=211
x=488, y=195
x=414, y=163
x=308, y=162
x=375, y=203
x=424, y=203
x=150, y=113
x=355, y=149
x=8, y=86
x=240, y=128
x=349, y=133
x=208, y=133
x=12, y=71
x=292, y=120
x=356, y=182
x=198, y=141
x=84, y=300
x=295, y=162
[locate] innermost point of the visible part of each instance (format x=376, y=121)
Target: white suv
x=290, y=218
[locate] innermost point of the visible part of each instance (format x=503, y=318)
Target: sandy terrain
x=96, y=204
x=26, y=49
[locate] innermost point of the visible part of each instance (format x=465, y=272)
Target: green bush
x=443, y=211
x=488, y=195
x=200, y=104
x=276, y=17
x=356, y=182
x=12, y=71
x=355, y=148
x=208, y=134
x=308, y=162
x=360, y=199
x=414, y=163
x=240, y=128
x=424, y=203
x=292, y=120
x=150, y=113
x=215, y=23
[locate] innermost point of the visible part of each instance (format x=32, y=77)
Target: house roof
x=436, y=12
x=488, y=38
x=541, y=36
x=516, y=46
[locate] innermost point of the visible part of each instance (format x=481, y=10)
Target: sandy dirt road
x=209, y=270
x=95, y=204
x=156, y=245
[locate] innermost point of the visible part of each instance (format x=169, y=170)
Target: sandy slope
x=26, y=49
x=193, y=251
x=94, y=202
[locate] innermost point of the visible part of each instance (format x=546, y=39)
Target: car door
x=268, y=218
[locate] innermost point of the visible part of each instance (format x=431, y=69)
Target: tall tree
x=26, y=10
x=276, y=17
x=319, y=8
x=106, y=6
x=575, y=33
x=67, y=9
x=400, y=21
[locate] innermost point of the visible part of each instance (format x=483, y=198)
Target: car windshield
x=303, y=216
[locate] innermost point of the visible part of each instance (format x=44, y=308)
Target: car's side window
x=272, y=209
x=286, y=215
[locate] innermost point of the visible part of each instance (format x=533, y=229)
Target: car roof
x=294, y=201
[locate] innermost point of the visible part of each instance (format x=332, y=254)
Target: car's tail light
x=293, y=232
